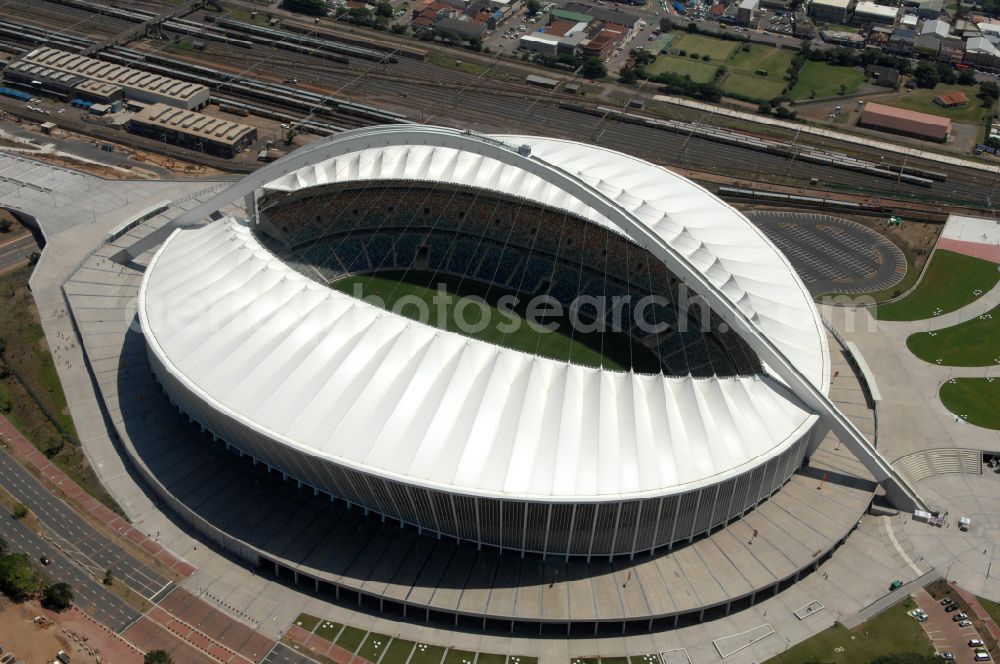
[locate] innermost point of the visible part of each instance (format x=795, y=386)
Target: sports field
x=698, y=71
x=752, y=70
x=975, y=400
x=743, y=77
x=825, y=80
x=974, y=343
x=480, y=311
x=950, y=282
x=716, y=49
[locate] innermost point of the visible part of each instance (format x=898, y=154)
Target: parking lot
x=946, y=634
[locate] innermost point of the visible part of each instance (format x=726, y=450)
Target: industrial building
x=831, y=11
x=746, y=12
x=193, y=130
x=905, y=122
x=139, y=85
x=866, y=12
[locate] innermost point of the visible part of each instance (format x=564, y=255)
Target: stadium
x=679, y=380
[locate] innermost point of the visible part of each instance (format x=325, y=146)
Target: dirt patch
x=35, y=641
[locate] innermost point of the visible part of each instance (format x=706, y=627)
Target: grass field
x=410, y=294
x=749, y=85
x=973, y=343
x=992, y=608
x=890, y=633
x=32, y=398
x=825, y=80
x=922, y=100
x=743, y=78
x=950, y=282
x=388, y=650
x=975, y=400
x=698, y=71
x=716, y=49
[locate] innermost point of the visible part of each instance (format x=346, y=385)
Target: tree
x=157, y=657
x=310, y=7
x=593, y=68
x=5, y=225
x=627, y=75
x=57, y=596
x=967, y=77
x=20, y=511
x=534, y=6
x=3, y=547
x=384, y=9
x=398, y=29
x=926, y=75
x=17, y=579
x=989, y=91
x=764, y=108
x=109, y=578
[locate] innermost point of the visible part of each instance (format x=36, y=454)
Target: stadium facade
x=475, y=440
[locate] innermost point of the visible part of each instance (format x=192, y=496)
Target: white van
x=982, y=657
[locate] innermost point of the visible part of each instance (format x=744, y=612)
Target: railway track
x=424, y=92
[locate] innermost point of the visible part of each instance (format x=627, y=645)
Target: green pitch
x=477, y=310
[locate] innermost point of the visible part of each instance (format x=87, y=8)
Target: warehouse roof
x=112, y=73
x=838, y=4
x=192, y=123
x=98, y=87
x=872, y=9
x=904, y=120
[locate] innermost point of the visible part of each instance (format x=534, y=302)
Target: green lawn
x=460, y=657
x=717, y=49
x=992, y=608
x=426, y=654
x=922, y=100
x=307, y=622
x=490, y=658
x=892, y=632
x=950, y=282
x=349, y=639
x=410, y=293
x=750, y=85
x=373, y=647
x=743, y=79
x=975, y=400
x=973, y=343
x=397, y=652
x=825, y=80
x=328, y=630
x=698, y=71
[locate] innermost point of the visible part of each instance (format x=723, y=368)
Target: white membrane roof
x=343, y=380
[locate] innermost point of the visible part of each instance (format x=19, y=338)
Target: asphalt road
x=15, y=249
x=74, y=536
x=282, y=654
x=88, y=595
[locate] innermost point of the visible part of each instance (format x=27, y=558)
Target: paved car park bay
x=944, y=633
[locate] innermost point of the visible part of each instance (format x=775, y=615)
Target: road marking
x=895, y=543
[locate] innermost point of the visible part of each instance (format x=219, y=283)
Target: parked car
x=947, y=656
x=916, y=612
x=951, y=607
x=946, y=601
x=982, y=656
x=975, y=643
x=960, y=616
x=965, y=623
x=45, y=560
x=923, y=617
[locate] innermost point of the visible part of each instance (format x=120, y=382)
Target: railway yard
x=320, y=80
